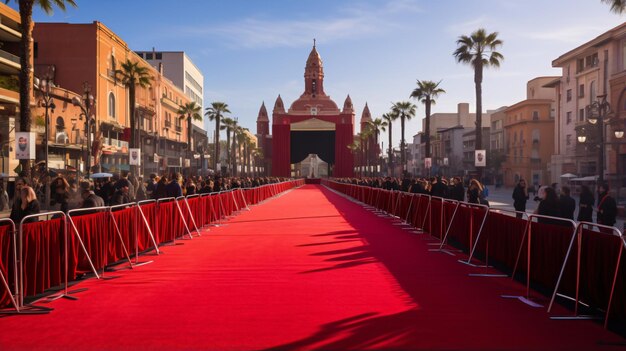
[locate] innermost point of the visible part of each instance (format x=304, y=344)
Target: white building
x=179, y=68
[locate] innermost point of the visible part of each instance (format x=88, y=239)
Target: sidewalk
x=502, y=199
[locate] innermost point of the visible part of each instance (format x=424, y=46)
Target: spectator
x=439, y=189
x=567, y=205
x=61, y=194
x=90, y=199
x=4, y=199
x=548, y=205
x=152, y=182
x=173, y=187
x=585, y=205
x=607, y=207
x=121, y=195
x=160, y=191
x=520, y=196
x=141, y=190
x=17, y=198
x=28, y=204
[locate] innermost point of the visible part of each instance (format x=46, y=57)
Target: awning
x=585, y=179
x=568, y=175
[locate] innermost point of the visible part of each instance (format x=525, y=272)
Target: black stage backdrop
x=321, y=143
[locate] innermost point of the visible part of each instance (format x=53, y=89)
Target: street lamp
x=45, y=85
x=86, y=102
x=599, y=113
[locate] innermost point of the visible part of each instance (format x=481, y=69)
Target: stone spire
x=279, y=106
x=314, y=74
x=347, y=105
x=366, y=116
x=263, y=114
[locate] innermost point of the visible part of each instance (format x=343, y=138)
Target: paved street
x=502, y=199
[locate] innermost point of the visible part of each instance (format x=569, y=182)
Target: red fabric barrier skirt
x=43, y=256
x=466, y=225
x=549, y=245
x=505, y=234
x=126, y=223
x=435, y=226
x=150, y=212
x=165, y=221
x=6, y=264
x=94, y=231
x=599, y=253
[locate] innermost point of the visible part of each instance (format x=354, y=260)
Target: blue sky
x=251, y=51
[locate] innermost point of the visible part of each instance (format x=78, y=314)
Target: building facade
x=529, y=130
x=590, y=71
x=91, y=53
x=10, y=36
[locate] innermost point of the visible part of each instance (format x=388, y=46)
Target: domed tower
x=262, y=121
x=314, y=74
x=347, y=105
x=279, y=106
x=366, y=117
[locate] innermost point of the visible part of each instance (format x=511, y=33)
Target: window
x=624, y=55
x=569, y=95
x=581, y=115
x=111, y=105
x=35, y=49
x=149, y=56
x=159, y=56
x=536, y=135
x=535, y=115
x=581, y=91
x=514, y=138
x=568, y=117
x=568, y=139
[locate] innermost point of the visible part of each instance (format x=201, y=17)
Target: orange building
x=91, y=53
x=529, y=133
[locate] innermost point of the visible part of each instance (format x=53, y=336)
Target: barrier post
x=80, y=241
x=119, y=233
x=526, y=299
x=64, y=294
x=579, y=232
x=193, y=220
x=182, y=217
x=144, y=220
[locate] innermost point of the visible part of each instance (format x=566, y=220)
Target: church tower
x=314, y=75
x=262, y=121
x=366, y=117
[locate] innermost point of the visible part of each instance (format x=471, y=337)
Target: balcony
x=9, y=63
x=168, y=124
x=535, y=160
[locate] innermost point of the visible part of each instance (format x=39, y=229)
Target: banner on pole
x=25, y=145
x=480, y=158
x=134, y=157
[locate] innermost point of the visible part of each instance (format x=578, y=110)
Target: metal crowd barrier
x=13, y=295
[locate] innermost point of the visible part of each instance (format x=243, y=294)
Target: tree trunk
x=427, y=128
x=228, y=150
x=26, y=73
x=390, y=152
x=402, y=155
x=133, y=123
x=478, y=80
x=217, y=142
x=189, y=153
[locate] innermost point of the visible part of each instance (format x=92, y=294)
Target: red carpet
x=308, y=270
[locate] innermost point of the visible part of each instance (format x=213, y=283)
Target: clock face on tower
x=313, y=110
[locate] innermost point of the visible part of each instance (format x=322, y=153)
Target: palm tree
x=26, y=52
x=228, y=124
x=405, y=110
x=365, y=136
x=189, y=111
x=132, y=75
x=389, y=118
x=377, y=125
x=426, y=92
x=215, y=113
x=479, y=50
x=355, y=145
x=617, y=6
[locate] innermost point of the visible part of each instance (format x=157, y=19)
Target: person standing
x=29, y=204
x=567, y=205
x=520, y=196
x=90, y=199
x=585, y=205
x=548, y=205
x=607, y=207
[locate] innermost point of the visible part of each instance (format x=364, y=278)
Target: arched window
x=111, y=105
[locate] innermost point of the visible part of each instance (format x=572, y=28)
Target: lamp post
x=48, y=104
x=599, y=113
x=86, y=103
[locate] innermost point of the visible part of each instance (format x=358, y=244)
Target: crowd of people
x=68, y=192
x=455, y=188
x=553, y=202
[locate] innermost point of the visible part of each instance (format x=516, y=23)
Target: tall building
x=91, y=53
x=529, y=129
x=10, y=36
x=313, y=124
x=589, y=71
